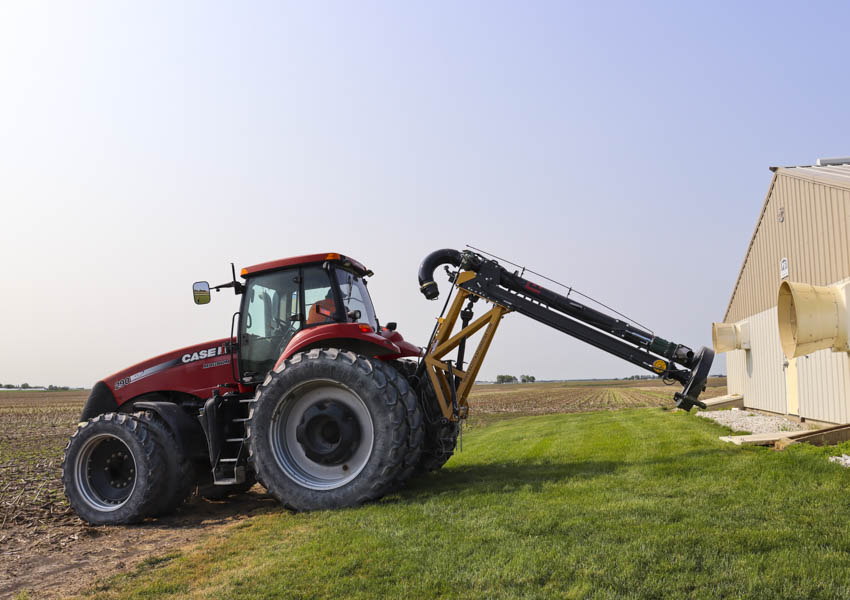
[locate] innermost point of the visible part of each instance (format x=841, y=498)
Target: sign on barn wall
x=783, y=268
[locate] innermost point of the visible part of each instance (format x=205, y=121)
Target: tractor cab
x=287, y=297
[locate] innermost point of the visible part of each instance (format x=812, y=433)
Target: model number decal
x=203, y=354
x=217, y=363
x=124, y=381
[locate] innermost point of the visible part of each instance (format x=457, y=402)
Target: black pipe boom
x=641, y=348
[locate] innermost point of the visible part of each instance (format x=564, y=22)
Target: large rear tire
x=415, y=426
x=327, y=429
x=440, y=435
x=112, y=470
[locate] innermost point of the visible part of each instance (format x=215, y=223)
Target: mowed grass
x=640, y=503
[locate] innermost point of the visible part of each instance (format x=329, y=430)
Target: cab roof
x=305, y=259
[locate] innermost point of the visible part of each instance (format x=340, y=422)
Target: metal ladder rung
x=245, y=400
x=227, y=460
x=241, y=420
x=234, y=440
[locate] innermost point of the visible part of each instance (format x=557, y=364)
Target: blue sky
x=620, y=148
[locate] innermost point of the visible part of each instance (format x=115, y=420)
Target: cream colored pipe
x=726, y=337
x=812, y=317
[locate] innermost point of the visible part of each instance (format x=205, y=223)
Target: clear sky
x=620, y=148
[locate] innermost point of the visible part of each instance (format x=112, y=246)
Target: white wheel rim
x=87, y=475
x=290, y=455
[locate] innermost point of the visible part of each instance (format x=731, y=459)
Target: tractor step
x=223, y=418
x=229, y=481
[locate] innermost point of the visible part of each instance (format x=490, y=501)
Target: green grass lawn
x=631, y=504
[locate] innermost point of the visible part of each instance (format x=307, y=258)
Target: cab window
x=319, y=303
x=271, y=317
x=355, y=297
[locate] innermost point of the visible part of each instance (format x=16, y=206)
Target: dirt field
x=489, y=401
x=44, y=548
x=47, y=550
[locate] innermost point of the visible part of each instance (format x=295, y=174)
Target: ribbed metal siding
x=757, y=374
x=824, y=381
x=813, y=237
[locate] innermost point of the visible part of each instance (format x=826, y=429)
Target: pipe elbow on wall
x=726, y=337
x=812, y=317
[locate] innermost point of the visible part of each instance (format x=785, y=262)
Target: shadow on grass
x=492, y=477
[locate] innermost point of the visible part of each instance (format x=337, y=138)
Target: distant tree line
x=26, y=386
x=513, y=379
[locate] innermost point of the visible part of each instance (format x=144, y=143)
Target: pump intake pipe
x=642, y=348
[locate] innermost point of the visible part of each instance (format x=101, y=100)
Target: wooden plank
x=762, y=439
x=820, y=437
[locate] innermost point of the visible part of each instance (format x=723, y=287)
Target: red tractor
x=312, y=396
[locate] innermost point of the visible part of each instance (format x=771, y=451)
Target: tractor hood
x=194, y=370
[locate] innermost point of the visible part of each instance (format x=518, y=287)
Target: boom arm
x=479, y=277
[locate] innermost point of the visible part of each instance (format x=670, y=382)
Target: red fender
x=357, y=337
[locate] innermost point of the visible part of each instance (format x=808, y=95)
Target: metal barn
x=801, y=236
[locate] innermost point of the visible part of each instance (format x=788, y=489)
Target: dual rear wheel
x=112, y=469
x=330, y=429
x=122, y=468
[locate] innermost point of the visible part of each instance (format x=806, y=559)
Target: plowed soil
x=44, y=548
x=489, y=401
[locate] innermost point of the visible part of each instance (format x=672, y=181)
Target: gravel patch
x=746, y=420
x=843, y=460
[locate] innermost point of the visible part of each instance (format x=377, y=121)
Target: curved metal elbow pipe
x=427, y=285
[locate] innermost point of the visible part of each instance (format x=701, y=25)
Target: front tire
x=179, y=479
x=328, y=429
x=112, y=470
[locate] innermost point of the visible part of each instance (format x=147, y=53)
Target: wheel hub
x=107, y=472
x=321, y=434
x=328, y=432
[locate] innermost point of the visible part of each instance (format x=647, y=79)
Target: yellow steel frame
x=444, y=342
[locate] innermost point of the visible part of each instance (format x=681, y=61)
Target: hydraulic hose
x=427, y=285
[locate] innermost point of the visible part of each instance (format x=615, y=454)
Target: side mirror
x=354, y=315
x=201, y=292
x=392, y=325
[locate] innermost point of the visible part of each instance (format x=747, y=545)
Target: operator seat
x=322, y=311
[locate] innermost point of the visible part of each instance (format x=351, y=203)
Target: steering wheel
x=283, y=330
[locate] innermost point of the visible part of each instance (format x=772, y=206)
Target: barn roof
x=833, y=175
